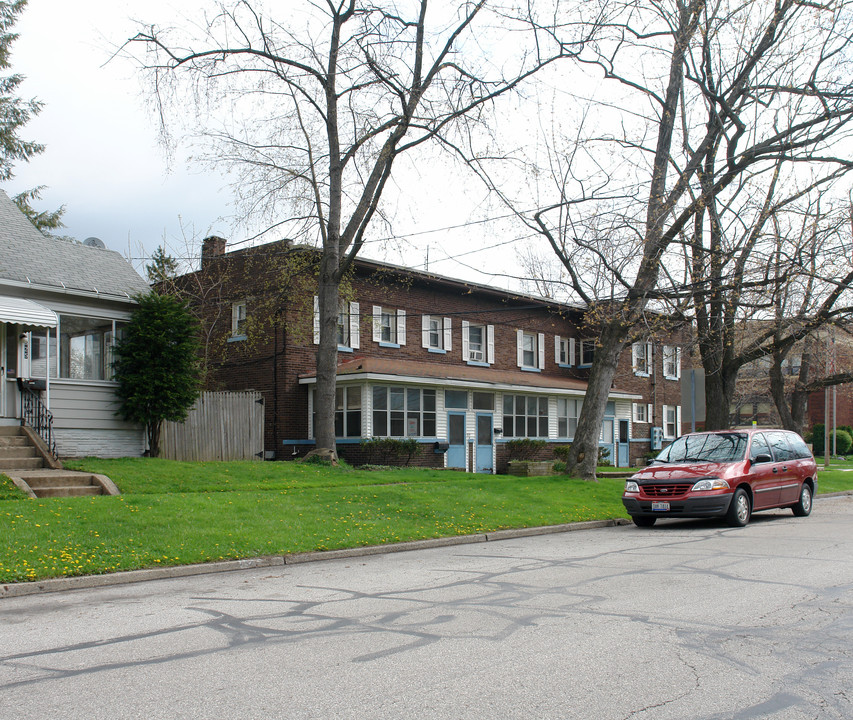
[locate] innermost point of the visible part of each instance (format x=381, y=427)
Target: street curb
x=12, y=590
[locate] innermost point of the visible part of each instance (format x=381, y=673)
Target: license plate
x=660, y=506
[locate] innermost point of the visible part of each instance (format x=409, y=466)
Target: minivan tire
x=804, y=506
x=739, y=509
x=643, y=520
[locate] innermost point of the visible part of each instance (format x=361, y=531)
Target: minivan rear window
x=779, y=444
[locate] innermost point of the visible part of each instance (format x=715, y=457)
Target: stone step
x=21, y=463
x=7, y=430
x=17, y=451
x=69, y=491
x=14, y=441
x=58, y=479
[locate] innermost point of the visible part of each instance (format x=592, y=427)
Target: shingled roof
x=27, y=256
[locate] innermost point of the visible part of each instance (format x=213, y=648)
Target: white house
x=62, y=305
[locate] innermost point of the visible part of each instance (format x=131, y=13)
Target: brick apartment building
x=462, y=367
x=833, y=354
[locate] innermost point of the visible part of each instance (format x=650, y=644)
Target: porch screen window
x=403, y=412
x=525, y=416
x=348, y=412
x=39, y=344
x=568, y=410
x=86, y=347
x=456, y=399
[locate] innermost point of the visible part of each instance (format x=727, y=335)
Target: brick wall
x=278, y=345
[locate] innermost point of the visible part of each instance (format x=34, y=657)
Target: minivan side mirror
x=761, y=458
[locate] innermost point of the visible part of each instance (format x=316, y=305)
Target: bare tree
x=316, y=105
x=701, y=96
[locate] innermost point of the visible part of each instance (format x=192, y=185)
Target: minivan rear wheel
x=804, y=506
x=739, y=510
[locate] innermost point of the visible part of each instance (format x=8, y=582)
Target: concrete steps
x=22, y=461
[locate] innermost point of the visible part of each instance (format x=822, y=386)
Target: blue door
x=456, y=440
x=623, y=454
x=485, y=437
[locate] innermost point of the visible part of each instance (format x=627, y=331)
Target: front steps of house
x=40, y=476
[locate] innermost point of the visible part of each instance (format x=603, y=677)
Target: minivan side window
x=759, y=447
x=779, y=443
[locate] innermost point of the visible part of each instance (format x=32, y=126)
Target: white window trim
x=538, y=350
x=570, y=351
x=444, y=333
x=398, y=317
x=354, y=326
x=489, y=341
x=581, y=362
x=235, y=319
x=641, y=412
x=666, y=350
x=664, y=423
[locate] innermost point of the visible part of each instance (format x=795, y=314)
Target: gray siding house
x=62, y=305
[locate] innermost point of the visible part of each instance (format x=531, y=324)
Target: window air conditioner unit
x=477, y=355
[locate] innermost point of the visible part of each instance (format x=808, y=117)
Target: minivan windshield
x=710, y=447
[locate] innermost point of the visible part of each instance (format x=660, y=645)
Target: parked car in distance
x=726, y=473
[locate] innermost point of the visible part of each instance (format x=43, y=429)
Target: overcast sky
x=104, y=164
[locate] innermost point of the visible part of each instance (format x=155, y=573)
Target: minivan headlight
x=631, y=486
x=711, y=484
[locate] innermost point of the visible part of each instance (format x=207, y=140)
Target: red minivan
x=726, y=473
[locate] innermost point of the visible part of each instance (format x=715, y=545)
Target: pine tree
x=162, y=266
x=16, y=112
x=157, y=365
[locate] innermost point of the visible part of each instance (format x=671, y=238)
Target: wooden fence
x=220, y=426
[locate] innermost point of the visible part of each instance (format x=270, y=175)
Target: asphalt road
x=685, y=620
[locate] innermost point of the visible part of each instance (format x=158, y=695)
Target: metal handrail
x=35, y=414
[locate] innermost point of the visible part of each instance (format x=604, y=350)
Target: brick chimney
x=212, y=247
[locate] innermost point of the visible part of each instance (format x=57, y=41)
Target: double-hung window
x=530, y=350
x=587, y=352
x=348, y=330
x=238, y=320
x=478, y=343
x=564, y=351
x=641, y=412
x=389, y=326
x=641, y=358
x=436, y=333
x=671, y=421
x=671, y=362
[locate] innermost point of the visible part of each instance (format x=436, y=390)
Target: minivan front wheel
x=804, y=506
x=643, y=520
x=739, y=510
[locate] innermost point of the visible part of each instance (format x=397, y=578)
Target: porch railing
x=35, y=414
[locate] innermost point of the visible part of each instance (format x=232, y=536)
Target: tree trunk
x=583, y=456
x=328, y=295
x=719, y=391
x=154, y=438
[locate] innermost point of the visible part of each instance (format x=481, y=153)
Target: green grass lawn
x=173, y=513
